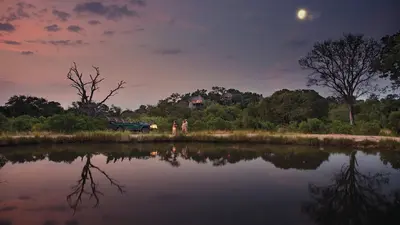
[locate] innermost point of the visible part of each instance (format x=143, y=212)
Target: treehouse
x=196, y=102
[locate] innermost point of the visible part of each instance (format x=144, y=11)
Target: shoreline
x=321, y=140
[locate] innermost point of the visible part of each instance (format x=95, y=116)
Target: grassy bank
x=347, y=141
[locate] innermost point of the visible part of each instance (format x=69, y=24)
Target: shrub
x=394, y=122
x=23, y=123
x=268, y=126
x=72, y=123
x=312, y=126
x=340, y=127
x=293, y=126
x=198, y=125
x=4, y=123
x=218, y=124
x=367, y=128
x=237, y=124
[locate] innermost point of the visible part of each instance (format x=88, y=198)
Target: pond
x=197, y=184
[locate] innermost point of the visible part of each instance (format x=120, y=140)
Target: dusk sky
x=164, y=46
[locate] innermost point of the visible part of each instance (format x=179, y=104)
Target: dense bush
x=218, y=124
x=339, y=127
x=268, y=126
x=367, y=128
x=23, y=123
x=197, y=125
x=4, y=123
x=313, y=126
x=394, y=122
x=72, y=123
x=58, y=123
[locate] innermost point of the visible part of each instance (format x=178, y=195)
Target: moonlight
x=301, y=14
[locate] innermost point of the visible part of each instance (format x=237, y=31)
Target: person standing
x=174, y=126
x=185, y=126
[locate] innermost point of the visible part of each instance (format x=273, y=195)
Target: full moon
x=301, y=14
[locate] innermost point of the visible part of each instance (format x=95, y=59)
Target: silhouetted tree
x=19, y=105
x=87, y=103
x=344, y=66
x=389, y=60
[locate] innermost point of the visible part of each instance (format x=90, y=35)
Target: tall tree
x=87, y=89
x=285, y=106
x=389, y=60
x=344, y=66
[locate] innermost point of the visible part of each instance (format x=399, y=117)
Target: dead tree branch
x=87, y=89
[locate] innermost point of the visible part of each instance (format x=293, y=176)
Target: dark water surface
x=197, y=184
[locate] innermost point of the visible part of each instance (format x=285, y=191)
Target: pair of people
x=184, y=127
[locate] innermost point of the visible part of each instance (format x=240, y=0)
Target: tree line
x=350, y=67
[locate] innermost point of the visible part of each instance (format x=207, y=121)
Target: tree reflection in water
x=353, y=198
x=3, y=161
x=170, y=156
x=75, y=198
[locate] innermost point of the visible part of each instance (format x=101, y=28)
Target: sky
x=160, y=47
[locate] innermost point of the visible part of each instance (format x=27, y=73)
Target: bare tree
x=87, y=89
x=344, y=66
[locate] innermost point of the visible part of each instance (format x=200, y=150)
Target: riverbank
x=321, y=140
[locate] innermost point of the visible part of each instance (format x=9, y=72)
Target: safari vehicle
x=122, y=125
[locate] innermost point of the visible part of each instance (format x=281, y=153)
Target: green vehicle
x=122, y=125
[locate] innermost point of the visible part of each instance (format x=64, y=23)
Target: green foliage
x=23, y=123
x=285, y=106
x=72, y=123
x=394, y=122
x=367, y=128
x=198, y=125
x=339, y=113
x=223, y=109
x=293, y=126
x=313, y=126
x=217, y=123
x=339, y=127
x=268, y=126
x=4, y=123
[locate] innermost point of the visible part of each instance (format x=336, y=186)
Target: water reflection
x=236, y=184
x=75, y=198
x=287, y=158
x=353, y=198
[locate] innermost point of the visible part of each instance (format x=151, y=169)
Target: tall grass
x=199, y=137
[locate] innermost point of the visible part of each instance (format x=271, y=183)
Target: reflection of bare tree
x=353, y=198
x=75, y=198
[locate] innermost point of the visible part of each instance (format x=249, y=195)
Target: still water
x=197, y=184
